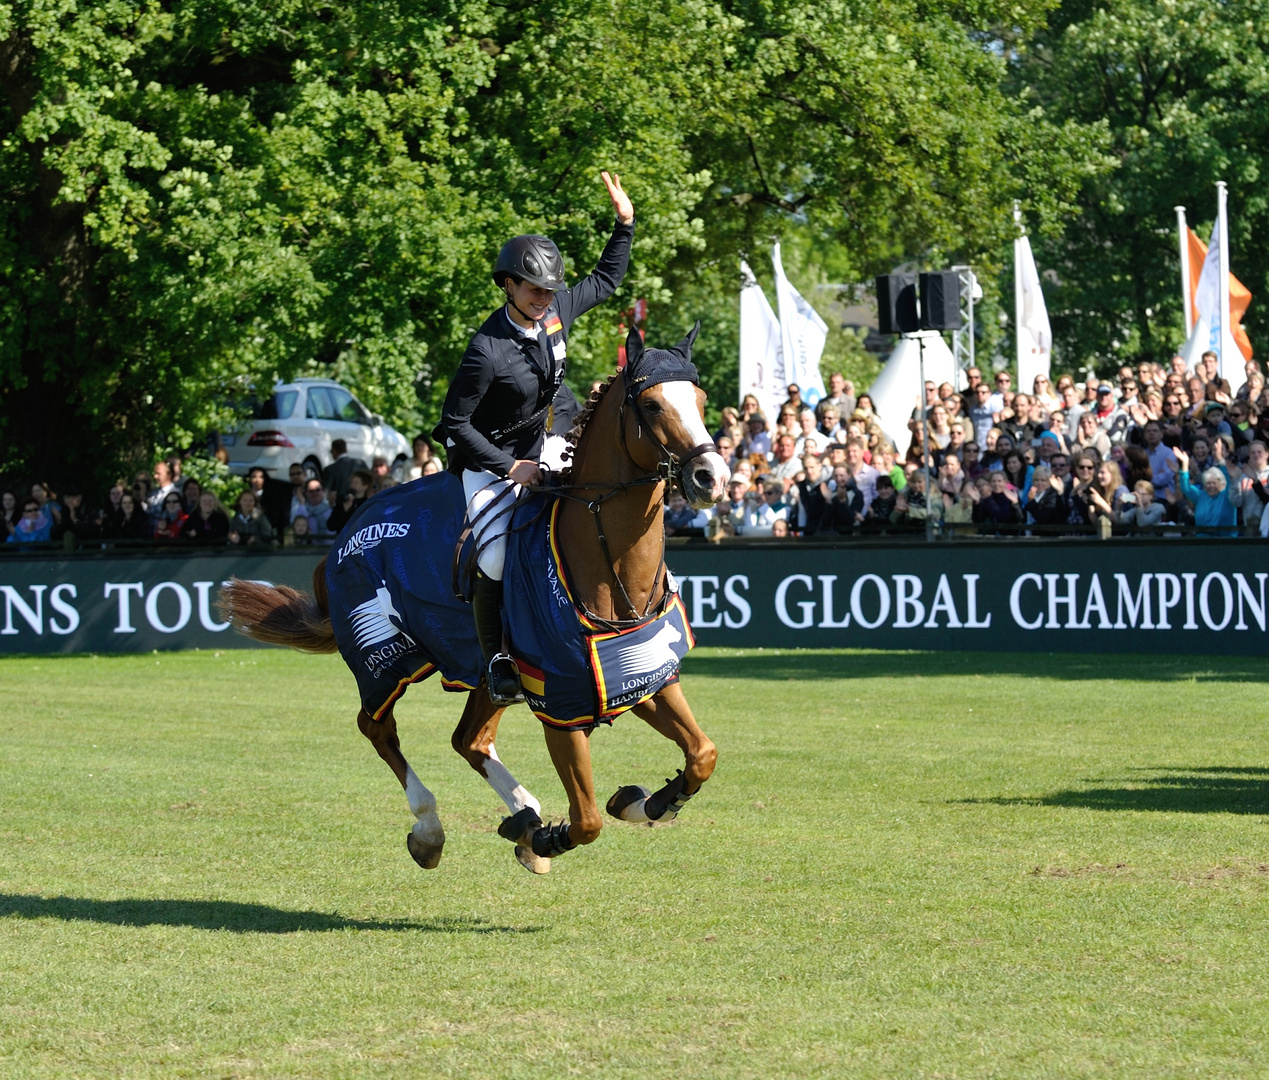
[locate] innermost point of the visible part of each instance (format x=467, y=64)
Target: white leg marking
x=507, y=786
x=423, y=806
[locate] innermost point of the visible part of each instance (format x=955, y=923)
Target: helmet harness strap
x=511, y=303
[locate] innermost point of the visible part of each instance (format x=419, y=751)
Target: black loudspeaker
x=897, y=304
x=941, y=301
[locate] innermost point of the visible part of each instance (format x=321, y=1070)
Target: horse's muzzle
x=705, y=479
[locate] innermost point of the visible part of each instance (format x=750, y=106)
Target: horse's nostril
x=704, y=478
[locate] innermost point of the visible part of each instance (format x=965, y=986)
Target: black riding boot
x=502, y=678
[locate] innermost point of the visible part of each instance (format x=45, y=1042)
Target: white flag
x=761, y=350
x=1207, y=296
x=1035, y=336
x=803, y=333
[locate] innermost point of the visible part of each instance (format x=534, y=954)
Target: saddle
x=466, y=552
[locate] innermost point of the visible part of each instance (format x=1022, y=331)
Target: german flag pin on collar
x=552, y=325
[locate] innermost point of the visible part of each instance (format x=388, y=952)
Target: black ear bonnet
x=648, y=367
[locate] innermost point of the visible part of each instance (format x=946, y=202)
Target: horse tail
x=279, y=615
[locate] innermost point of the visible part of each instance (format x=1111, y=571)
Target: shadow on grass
x=225, y=915
x=1217, y=789
x=840, y=664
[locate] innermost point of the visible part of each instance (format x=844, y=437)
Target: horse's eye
x=653, y=406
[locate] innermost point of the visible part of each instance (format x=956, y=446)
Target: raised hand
x=620, y=200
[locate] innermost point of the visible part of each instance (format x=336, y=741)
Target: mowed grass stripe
x=906, y=864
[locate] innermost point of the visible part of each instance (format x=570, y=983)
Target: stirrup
x=502, y=680
x=552, y=840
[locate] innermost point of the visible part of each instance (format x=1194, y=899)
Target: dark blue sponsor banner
x=1121, y=595
x=132, y=603
x=1004, y=595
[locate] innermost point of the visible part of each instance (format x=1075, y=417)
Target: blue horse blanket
x=397, y=620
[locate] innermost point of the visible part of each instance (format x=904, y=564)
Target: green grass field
x=936, y=865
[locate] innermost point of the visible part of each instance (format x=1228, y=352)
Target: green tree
x=1183, y=88
x=870, y=135
x=205, y=195
x=212, y=194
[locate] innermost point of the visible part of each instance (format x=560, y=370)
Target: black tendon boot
x=502, y=678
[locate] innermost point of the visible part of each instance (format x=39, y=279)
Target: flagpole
x=1018, y=308
x=1221, y=195
x=1183, y=239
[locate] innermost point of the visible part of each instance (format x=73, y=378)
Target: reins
x=669, y=469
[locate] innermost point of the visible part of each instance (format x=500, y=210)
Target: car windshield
x=334, y=403
x=279, y=406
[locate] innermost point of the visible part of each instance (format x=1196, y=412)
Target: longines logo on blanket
x=372, y=536
x=634, y=663
x=372, y=623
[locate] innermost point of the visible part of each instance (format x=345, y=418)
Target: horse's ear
x=684, y=347
x=634, y=348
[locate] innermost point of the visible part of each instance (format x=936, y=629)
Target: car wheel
x=312, y=469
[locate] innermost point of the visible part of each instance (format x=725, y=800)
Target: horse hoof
x=627, y=803
x=520, y=827
x=535, y=864
x=426, y=855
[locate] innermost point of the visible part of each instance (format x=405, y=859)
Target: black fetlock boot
x=502, y=677
x=552, y=840
x=665, y=804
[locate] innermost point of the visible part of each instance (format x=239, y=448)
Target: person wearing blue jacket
x=1215, y=503
x=34, y=527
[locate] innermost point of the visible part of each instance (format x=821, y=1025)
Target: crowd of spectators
x=1154, y=447
x=164, y=507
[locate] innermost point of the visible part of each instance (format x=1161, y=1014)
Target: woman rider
x=508, y=391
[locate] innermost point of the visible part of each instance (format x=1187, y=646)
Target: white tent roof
x=898, y=389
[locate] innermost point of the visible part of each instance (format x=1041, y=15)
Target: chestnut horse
x=639, y=433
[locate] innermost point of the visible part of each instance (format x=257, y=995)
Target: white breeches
x=483, y=488
x=491, y=521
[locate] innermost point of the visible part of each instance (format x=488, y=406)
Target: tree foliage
x=1183, y=88
x=205, y=195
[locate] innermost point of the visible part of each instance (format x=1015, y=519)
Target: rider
x=508, y=392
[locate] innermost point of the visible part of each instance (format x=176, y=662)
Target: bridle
x=670, y=469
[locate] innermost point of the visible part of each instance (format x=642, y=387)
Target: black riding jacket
x=496, y=410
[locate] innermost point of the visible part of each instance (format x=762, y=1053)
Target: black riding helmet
x=534, y=259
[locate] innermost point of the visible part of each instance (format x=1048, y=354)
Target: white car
x=299, y=422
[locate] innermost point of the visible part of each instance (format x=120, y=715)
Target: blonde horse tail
x=280, y=615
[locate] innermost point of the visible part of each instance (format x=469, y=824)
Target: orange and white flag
x=1205, y=279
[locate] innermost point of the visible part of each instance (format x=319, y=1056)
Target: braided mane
x=574, y=435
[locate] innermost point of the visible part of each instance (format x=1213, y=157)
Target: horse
x=638, y=433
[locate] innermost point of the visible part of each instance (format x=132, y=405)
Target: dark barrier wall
x=131, y=603
x=1029, y=595
x=1194, y=595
